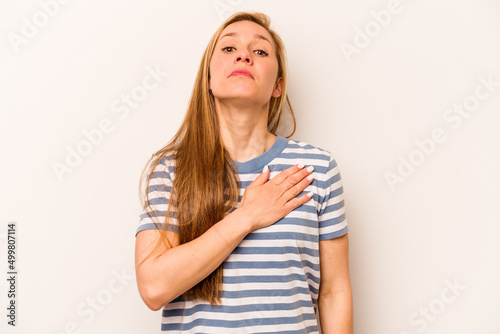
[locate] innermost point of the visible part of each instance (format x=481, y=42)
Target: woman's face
x=244, y=65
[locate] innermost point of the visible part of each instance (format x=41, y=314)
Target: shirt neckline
x=258, y=163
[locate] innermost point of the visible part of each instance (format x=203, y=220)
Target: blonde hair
x=206, y=184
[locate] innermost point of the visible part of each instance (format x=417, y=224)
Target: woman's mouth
x=241, y=72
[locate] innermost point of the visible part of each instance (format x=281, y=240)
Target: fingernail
x=310, y=177
x=265, y=169
x=310, y=168
x=309, y=194
x=300, y=166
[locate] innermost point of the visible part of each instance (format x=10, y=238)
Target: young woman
x=243, y=230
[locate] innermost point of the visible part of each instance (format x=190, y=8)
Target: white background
x=438, y=225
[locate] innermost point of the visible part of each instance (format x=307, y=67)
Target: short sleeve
x=331, y=214
x=159, y=192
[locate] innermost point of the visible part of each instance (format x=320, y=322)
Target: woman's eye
x=260, y=52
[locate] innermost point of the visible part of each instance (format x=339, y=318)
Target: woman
x=234, y=224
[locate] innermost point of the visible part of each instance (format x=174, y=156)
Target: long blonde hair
x=206, y=184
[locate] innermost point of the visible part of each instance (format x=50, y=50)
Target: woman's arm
x=335, y=293
x=173, y=270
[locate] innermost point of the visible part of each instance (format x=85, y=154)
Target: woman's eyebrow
x=256, y=36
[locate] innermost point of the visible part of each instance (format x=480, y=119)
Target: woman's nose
x=243, y=56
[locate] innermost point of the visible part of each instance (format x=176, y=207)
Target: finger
x=295, y=202
x=292, y=180
x=278, y=179
x=261, y=178
x=297, y=188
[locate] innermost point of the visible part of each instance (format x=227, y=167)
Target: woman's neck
x=244, y=131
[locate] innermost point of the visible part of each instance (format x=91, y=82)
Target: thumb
x=262, y=178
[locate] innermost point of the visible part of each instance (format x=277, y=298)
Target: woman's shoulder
x=163, y=162
x=309, y=150
x=322, y=159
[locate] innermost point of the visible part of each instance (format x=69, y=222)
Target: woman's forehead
x=236, y=29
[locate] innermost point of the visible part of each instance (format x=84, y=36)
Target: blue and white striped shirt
x=271, y=280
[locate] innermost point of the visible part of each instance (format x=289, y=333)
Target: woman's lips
x=241, y=72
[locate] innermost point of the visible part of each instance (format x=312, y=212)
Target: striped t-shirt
x=271, y=280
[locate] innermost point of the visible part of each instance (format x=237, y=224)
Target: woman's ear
x=277, y=88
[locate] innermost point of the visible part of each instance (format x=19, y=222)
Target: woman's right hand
x=265, y=202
